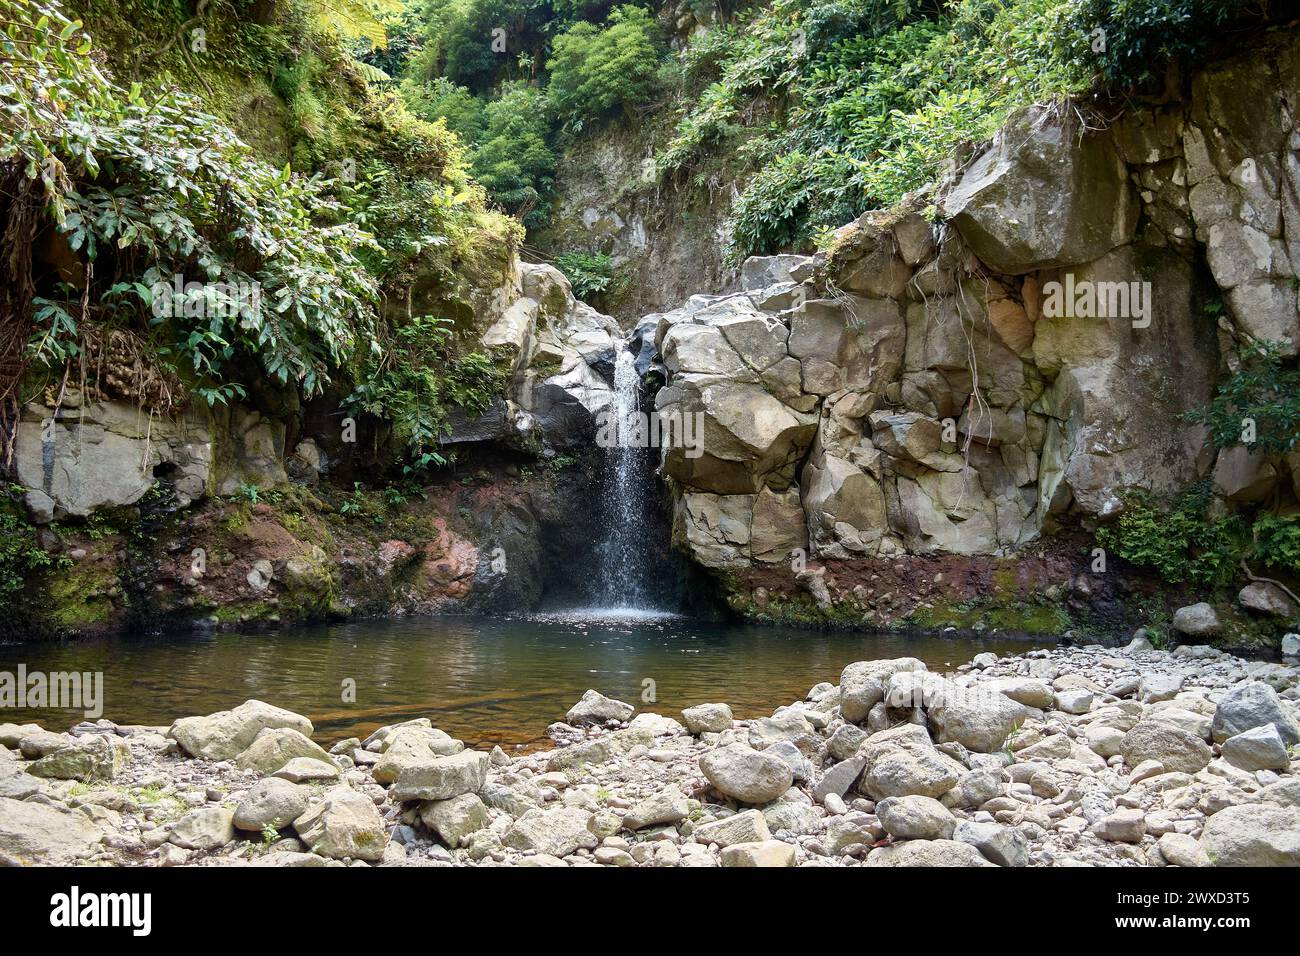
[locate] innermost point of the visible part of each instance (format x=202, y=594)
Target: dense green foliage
x=418, y=391
x=203, y=264
x=590, y=275
x=1277, y=542
x=1186, y=541
x=838, y=107
x=1179, y=540
x=1133, y=41
x=508, y=76
x=598, y=71
x=512, y=158
x=20, y=555
x=148, y=188
x=1262, y=394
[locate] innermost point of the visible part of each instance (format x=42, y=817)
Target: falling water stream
x=622, y=584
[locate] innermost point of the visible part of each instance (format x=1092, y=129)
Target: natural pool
x=485, y=680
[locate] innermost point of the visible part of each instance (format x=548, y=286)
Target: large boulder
x=1260, y=748
x=344, y=824
x=206, y=828
x=274, y=747
x=979, y=719
x=1267, y=599
x=1197, y=620
x=915, y=818
x=105, y=454
x=760, y=272
x=91, y=759
x=1174, y=749
x=271, y=803
x=927, y=853
x=1249, y=705
x=554, y=832
x=863, y=683
x=664, y=806
x=1043, y=194
x=767, y=853
x=454, y=820
x=749, y=826
x=228, y=733
x=1253, y=834
x=749, y=439
x=441, y=778
x=708, y=718
x=34, y=834
x=595, y=708
x=745, y=774
x=1005, y=846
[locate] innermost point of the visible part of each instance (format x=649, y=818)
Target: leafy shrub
x=1263, y=391
x=419, y=392
x=442, y=99
x=597, y=71
x=1277, y=542
x=873, y=96
x=1179, y=541
x=1131, y=42
x=20, y=555
x=590, y=275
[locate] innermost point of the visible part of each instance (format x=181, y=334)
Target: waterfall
x=624, y=496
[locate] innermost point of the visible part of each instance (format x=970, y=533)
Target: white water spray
x=623, y=505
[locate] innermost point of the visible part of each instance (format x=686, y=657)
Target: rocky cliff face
x=665, y=241
x=973, y=384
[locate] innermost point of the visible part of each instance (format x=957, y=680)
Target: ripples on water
x=483, y=680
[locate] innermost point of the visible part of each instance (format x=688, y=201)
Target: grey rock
x=554, y=832
x=1249, y=705
x=1005, y=846
x=927, y=853
x=595, y=709
x=707, y=718
x=1197, y=620
x=1253, y=834
x=226, y=734
x=746, y=774
x=839, y=778
x=915, y=818
x=455, y=819
x=204, y=829
x=1173, y=749
x=344, y=824
x=747, y=827
x=271, y=803
x=441, y=778
x=1260, y=748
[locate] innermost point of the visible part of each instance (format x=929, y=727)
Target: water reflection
x=483, y=680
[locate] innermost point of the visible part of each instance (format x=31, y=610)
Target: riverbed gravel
x=1069, y=756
